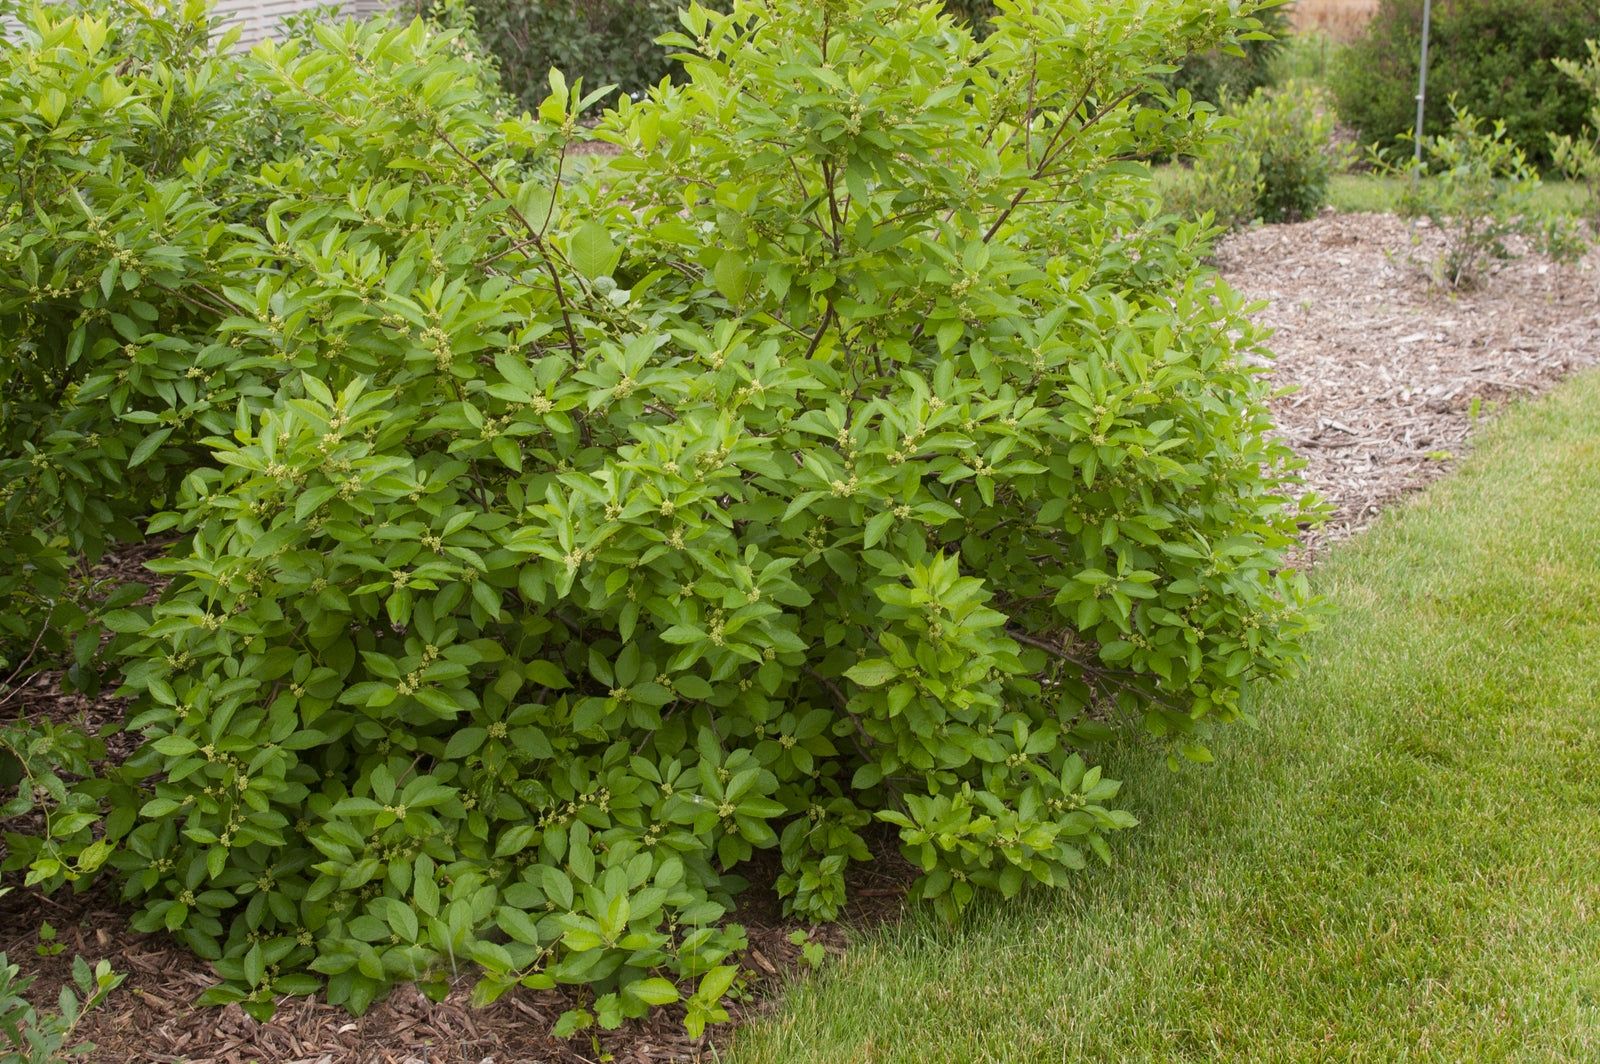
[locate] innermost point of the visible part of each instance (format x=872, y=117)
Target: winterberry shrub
x=861, y=442
x=1478, y=189
x=1275, y=167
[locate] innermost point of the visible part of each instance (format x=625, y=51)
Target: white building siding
x=260, y=19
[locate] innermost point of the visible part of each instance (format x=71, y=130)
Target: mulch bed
x=151, y=1017
x=1389, y=375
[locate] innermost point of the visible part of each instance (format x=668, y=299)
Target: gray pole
x=1422, y=81
x=1422, y=97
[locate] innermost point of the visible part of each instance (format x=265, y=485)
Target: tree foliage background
x=612, y=42
x=1494, y=58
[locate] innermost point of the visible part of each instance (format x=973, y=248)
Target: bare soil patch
x=1389, y=375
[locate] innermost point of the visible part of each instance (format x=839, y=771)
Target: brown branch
x=831, y=183
x=187, y=298
x=1048, y=647
x=539, y=241
x=1051, y=149
x=844, y=707
x=827, y=318
x=7, y=682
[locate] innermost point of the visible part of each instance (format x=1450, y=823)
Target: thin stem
x=538, y=241
x=844, y=707
x=1057, y=145
x=10, y=691
x=1046, y=646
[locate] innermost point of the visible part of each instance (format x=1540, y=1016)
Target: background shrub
x=1478, y=189
x=1240, y=70
x=1225, y=184
x=605, y=42
x=1275, y=166
x=550, y=536
x=612, y=42
x=1579, y=157
x=1494, y=56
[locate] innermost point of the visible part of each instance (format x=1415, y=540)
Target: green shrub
x=1290, y=129
x=1478, y=189
x=1579, y=157
x=1494, y=56
x=1276, y=167
x=1223, y=185
x=612, y=42
x=73, y=481
x=853, y=446
x=48, y=1038
x=605, y=42
x=1238, y=70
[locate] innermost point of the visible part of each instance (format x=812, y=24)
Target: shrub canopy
x=1494, y=57
x=606, y=42
x=554, y=533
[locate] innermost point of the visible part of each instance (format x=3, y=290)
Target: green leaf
x=515, y=369
x=518, y=924
x=516, y=838
x=716, y=982
x=867, y=776
x=147, y=447
x=404, y=922
x=125, y=621
x=593, y=254
x=652, y=991
x=732, y=275
x=876, y=528
x=948, y=333
x=255, y=965
x=545, y=674
x=872, y=672
x=464, y=742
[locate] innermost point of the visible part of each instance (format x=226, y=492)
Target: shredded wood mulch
x=1389, y=376
x=1390, y=373
x=152, y=1015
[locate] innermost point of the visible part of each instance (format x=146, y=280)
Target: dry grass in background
x=1340, y=20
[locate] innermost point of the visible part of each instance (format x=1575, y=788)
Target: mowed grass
x=1368, y=192
x=1353, y=192
x=1401, y=864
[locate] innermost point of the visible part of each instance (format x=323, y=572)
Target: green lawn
x=1364, y=192
x=1401, y=864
